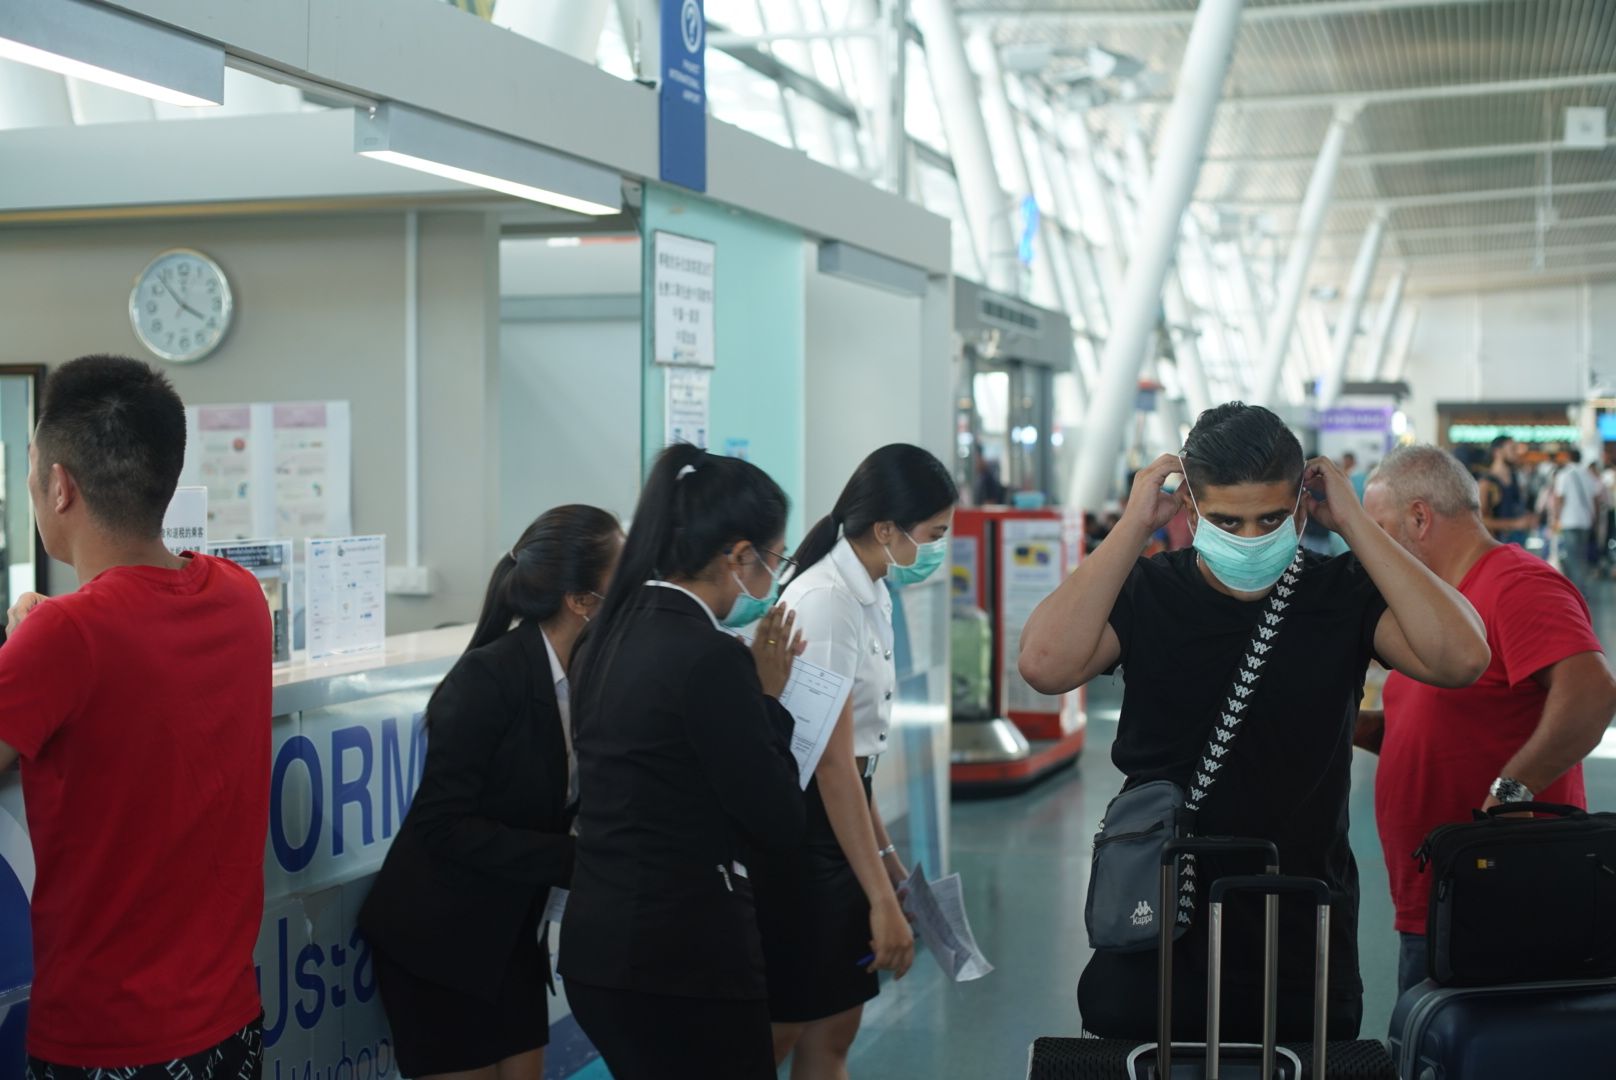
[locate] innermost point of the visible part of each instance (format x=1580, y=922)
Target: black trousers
x=661, y=1037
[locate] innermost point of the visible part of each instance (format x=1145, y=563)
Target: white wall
x=864, y=380
x=320, y=314
x=569, y=379
x=1527, y=345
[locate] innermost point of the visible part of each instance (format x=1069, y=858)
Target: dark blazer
x=487, y=833
x=684, y=769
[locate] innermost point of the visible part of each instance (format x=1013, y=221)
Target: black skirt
x=439, y=1030
x=815, y=923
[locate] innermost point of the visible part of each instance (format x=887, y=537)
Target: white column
x=1397, y=360
x=987, y=209
x=1180, y=313
x=1186, y=348
x=1099, y=212
x=1346, y=331
x=572, y=26
x=1385, y=318
x=1277, y=341
x=1189, y=121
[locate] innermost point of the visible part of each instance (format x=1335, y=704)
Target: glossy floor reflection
x=1024, y=861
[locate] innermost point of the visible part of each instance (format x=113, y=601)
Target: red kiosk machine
x=1006, y=735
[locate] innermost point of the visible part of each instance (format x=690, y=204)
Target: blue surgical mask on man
x=1246, y=564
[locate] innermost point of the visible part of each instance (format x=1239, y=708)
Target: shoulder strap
x=1232, y=709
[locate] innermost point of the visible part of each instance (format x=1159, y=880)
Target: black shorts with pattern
x=239, y=1057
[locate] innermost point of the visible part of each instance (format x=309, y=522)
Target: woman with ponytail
x=829, y=908
x=684, y=759
x=454, y=916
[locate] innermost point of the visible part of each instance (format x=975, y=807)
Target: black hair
x=564, y=552
x=694, y=507
x=1241, y=444
x=1575, y=456
x=1498, y=444
x=899, y=483
x=118, y=428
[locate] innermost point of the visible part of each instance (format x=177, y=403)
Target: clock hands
x=164, y=279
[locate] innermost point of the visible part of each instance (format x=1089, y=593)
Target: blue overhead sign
x=1030, y=218
x=683, y=94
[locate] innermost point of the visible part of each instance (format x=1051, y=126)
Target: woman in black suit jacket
x=454, y=915
x=685, y=765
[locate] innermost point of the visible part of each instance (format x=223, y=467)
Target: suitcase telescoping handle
x=1271, y=886
x=1168, y=906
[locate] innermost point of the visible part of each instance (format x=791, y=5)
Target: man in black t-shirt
x=1178, y=625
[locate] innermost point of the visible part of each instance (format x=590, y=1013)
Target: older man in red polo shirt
x=1520, y=732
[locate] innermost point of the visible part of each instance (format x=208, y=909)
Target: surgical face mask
x=747, y=608
x=1246, y=564
x=928, y=557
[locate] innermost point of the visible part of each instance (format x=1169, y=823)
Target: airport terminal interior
x=421, y=270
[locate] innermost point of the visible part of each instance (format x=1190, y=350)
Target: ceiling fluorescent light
x=432, y=144
x=97, y=44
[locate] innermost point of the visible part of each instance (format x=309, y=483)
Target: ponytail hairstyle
x=694, y=507
x=564, y=552
x=900, y=483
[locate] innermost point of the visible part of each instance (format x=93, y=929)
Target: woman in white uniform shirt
x=828, y=910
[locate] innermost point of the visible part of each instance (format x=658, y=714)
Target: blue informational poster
x=683, y=93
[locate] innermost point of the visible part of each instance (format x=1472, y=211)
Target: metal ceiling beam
x=1523, y=253
x=1322, y=9
x=1403, y=202
x=1329, y=98
x=1410, y=157
x=1476, y=230
x=1458, y=282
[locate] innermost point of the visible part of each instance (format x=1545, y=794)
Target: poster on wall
x=1031, y=567
x=312, y=443
x=185, y=522
x=345, y=580
x=270, y=561
x=272, y=469
x=682, y=281
x=690, y=395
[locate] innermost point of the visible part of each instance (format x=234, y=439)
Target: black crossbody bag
x=1125, y=876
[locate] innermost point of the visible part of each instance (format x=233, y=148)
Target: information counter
x=349, y=748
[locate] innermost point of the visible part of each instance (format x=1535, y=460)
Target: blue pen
x=867, y=961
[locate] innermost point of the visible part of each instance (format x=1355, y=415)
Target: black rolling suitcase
x=1054, y=1058
x=1547, y=1029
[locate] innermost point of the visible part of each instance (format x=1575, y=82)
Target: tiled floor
x=1024, y=861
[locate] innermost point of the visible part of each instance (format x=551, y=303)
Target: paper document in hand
x=555, y=904
x=814, y=697
x=938, y=911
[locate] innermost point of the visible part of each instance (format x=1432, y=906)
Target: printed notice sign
x=185, y=522
x=346, y=582
x=683, y=279
x=690, y=395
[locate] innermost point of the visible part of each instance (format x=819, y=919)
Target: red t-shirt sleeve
x=1539, y=620
x=44, y=675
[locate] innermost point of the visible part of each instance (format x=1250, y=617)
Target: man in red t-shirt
x=1520, y=732
x=139, y=706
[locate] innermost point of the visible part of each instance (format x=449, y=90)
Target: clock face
x=181, y=305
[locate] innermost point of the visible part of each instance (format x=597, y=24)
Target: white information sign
x=689, y=405
x=682, y=280
x=185, y=522
x=346, y=583
x=1031, y=566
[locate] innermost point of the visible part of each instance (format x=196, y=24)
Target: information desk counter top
x=405, y=662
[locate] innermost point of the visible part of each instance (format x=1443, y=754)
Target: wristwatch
x=1509, y=790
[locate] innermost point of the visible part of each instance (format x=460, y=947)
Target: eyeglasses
x=784, y=564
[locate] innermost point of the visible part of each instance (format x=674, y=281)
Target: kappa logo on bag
x=1143, y=915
